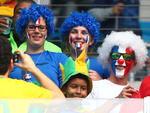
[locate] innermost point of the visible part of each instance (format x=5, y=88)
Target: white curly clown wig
x=124, y=39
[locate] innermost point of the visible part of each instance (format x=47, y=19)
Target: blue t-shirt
x=48, y=63
x=97, y=66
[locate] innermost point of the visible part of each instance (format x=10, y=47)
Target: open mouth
x=78, y=44
x=120, y=67
x=36, y=37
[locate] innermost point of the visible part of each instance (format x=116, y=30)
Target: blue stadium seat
x=145, y=27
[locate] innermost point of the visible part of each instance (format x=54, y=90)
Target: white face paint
x=120, y=73
x=120, y=68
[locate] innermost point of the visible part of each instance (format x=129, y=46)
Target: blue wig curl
x=81, y=19
x=32, y=14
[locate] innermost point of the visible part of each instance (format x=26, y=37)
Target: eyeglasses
x=41, y=28
x=126, y=56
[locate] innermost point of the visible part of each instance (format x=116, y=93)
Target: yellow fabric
x=19, y=89
x=7, y=7
x=6, y=11
x=80, y=63
x=63, y=71
x=3, y=1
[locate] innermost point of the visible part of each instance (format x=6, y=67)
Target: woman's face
x=79, y=38
x=36, y=32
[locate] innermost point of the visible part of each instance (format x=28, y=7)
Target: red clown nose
x=120, y=61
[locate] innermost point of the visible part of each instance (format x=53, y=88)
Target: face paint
x=122, y=61
x=129, y=63
x=45, y=36
x=114, y=49
x=28, y=36
x=79, y=45
x=120, y=70
x=79, y=37
x=38, y=21
x=87, y=39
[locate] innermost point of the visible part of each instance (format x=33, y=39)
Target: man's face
x=36, y=32
x=122, y=61
x=76, y=88
x=79, y=38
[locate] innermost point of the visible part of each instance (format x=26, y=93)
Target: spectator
x=124, y=52
x=36, y=23
x=117, y=15
x=19, y=40
x=145, y=87
x=17, y=10
x=80, y=31
x=76, y=82
x=11, y=88
x=6, y=13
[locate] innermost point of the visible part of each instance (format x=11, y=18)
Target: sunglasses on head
x=116, y=56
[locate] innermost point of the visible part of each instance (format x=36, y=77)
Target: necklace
x=27, y=76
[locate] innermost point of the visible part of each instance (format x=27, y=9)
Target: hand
x=127, y=92
x=117, y=9
x=94, y=75
x=4, y=24
x=26, y=62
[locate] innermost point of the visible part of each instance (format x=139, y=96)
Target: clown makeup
x=37, y=32
x=79, y=37
x=122, y=60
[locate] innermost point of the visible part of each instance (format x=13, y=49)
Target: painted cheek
x=113, y=62
x=86, y=39
x=71, y=39
x=129, y=66
x=28, y=35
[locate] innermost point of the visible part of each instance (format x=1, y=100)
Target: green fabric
x=48, y=46
x=12, y=42
x=73, y=67
x=68, y=72
x=71, y=71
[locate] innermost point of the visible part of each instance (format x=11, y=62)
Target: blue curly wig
x=81, y=19
x=32, y=14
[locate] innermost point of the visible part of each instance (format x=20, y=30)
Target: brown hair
x=5, y=54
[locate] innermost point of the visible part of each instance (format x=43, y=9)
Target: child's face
x=76, y=88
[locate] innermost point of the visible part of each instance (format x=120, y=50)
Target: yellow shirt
x=19, y=89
